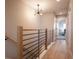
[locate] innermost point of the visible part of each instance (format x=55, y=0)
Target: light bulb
x=41, y=14
x=58, y=0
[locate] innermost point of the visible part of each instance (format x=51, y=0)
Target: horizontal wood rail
x=34, y=43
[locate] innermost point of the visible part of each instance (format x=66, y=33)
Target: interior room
x=61, y=27
x=38, y=29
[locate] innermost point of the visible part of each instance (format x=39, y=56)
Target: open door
x=60, y=27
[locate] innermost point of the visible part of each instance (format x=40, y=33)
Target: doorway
x=61, y=28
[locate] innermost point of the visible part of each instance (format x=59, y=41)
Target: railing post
x=46, y=39
x=38, y=42
x=20, y=41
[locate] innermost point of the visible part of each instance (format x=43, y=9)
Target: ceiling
x=50, y=6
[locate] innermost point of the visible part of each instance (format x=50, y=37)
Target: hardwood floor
x=57, y=51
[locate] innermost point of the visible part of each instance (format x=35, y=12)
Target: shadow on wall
x=10, y=49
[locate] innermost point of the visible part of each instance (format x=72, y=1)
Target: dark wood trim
x=46, y=39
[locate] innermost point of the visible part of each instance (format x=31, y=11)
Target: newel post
x=20, y=41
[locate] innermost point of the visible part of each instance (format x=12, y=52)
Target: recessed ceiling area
x=49, y=6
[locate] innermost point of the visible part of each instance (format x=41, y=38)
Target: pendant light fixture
x=38, y=11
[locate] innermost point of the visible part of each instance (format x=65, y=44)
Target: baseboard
x=45, y=51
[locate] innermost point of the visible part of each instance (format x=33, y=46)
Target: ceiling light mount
x=58, y=0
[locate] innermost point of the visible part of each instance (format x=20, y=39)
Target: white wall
x=70, y=32
x=10, y=49
x=47, y=21
x=70, y=29
x=17, y=13
x=14, y=17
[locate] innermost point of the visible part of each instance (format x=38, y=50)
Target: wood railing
x=31, y=42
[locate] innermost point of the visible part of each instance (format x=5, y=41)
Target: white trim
x=43, y=53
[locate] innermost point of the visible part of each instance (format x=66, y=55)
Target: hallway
x=57, y=51
x=33, y=26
